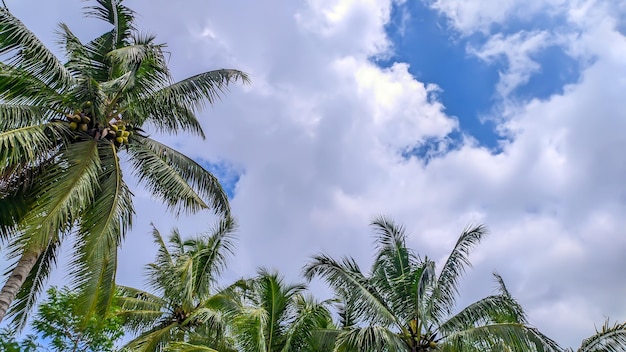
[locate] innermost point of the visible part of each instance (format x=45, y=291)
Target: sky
x=438, y=114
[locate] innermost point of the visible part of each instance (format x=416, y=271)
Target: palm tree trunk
x=16, y=280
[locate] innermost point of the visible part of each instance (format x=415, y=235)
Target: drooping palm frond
x=446, y=289
x=492, y=309
x=369, y=338
x=176, y=179
x=346, y=276
x=62, y=194
x=512, y=336
x=21, y=116
x=189, y=347
x=101, y=229
x=29, y=144
x=27, y=52
x=139, y=309
x=607, y=339
x=155, y=339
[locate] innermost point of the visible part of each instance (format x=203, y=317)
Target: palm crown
x=187, y=309
x=403, y=306
x=63, y=128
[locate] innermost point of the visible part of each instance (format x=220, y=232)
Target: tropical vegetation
x=401, y=304
x=185, y=307
x=64, y=127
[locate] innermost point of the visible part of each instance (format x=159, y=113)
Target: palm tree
x=402, y=306
x=277, y=317
x=607, y=339
x=186, y=309
x=63, y=129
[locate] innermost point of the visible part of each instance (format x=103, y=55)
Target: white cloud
x=469, y=16
x=517, y=50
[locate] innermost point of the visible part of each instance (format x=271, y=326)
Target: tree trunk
x=16, y=280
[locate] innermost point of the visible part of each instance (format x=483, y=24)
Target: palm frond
x=446, y=289
x=310, y=316
x=139, y=309
x=199, y=89
x=608, y=338
x=62, y=193
x=369, y=338
x=118, y=15
x=491, y=309
x=514, y=336
x=347, y=277
x=176, y=179
x=163, y=254
x=249, y=329
x=20, y=116
x=28, y=53
x=102, y=227
x=188, y=347
x=30, y=144
x=211, y=259
x=153, y=340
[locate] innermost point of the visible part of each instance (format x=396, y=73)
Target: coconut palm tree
x=274, y=316
x=186, y=309
x=403, y=306
x=64, y=128
x=610, y=338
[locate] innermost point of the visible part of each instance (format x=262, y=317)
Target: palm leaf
x=347, y=277
x=30, y=144
x=27, y=52
x=176, y=179
x=369, y=338
x=19, y=116
x=188, y=347
x=102, y=227
x=62, y=195
x=515, y=336
x=118, y=15
x=200, y=89
x=153, y=340
x=608, y=338
x=446, y=288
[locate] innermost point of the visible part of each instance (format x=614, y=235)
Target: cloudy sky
x=437, y=113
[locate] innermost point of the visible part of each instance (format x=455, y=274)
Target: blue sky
x=342, y=123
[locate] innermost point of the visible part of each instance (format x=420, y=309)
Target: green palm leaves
x=403, y=306
x=63, y=129
x=609, y=338
x=187, y=308
x=274, y=316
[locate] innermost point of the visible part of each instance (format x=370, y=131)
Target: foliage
x=187, y=310
x=273, y=316
x=57, y=321
x=64, y=127
x=8, y=342
x=403, y=306
x=610, y=338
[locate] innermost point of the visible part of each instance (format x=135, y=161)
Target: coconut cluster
x=117, y=131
